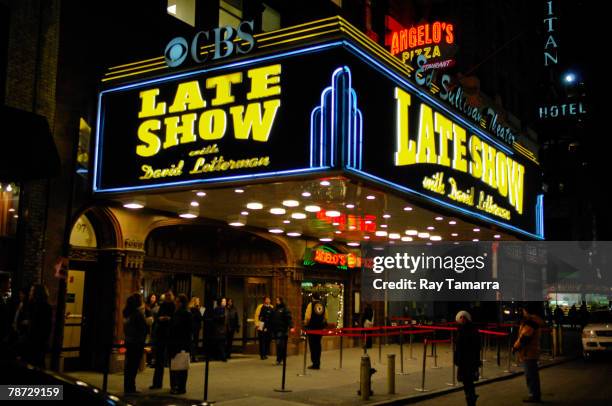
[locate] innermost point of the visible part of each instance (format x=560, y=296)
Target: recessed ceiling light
x=368, y=221
x=381, y=233
x=475, y=240
x=383, y=226
x=350, y=206
x=456, y=243
x=244, y=213
x=276, y=230
x=236, y=224
x=335, y=223
x=291, y=203
x=293, y=234
x=325, y=239
x=338, y=232
x=370, y=197
x=134, y=204
x=298, y=216
x=171, y=9
x=239, y=190
x=188, y=215
x=324, y=183
x=286, y=221
x=352, y=227
x=407, y=208
x=366, y=237
x=406, y=239
x=411, y=232
x=306, y=194
x=435, y=238
x=423, y=235
x=352, y=244
x=312, y=208
x=428, y=243
x=254, y=206
x=439, y=218
x=332, y=213
x=431, y=228
x=386, y=216
x=194, y=204
x=391, y=242
x=277, y=210
x=476, y=230
x=395, y=236
x=379, y=248
x=15, y=216
x=454, y=234
x=452, y=222
x=201, y=194
x=497, y=236
x=11, y=210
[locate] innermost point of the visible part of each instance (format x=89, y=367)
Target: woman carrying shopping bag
x=180, y=345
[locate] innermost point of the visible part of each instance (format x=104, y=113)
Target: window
x=184, y=10
x=270, y=19
x=9, y=209
x=230, y=13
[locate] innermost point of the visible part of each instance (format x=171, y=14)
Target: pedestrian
x=151, y=309
x=280, y=324
x=558, y=316
x=179, y=345
x=262, y=320
x=233, y=326
x=220, y=329
x=196, y=325
x=466, y=355
x=135, y=332
x=19, y=327
x=315, y=318
x=38, y=325
x=162, y=334
x=583, y=315
x=528, y=347
x=573, y=316
x=367, y=321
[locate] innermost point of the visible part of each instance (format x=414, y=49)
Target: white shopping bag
x=180, y=362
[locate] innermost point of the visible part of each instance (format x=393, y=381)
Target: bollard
x=509, y=366
x=453, y=381
x=422, y=388
x=282, y=389
x=305, y=356
x=401, y=337
x=365, y=385
x=390, y=374
x=341, y=346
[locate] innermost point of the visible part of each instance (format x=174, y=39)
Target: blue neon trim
x=394, y=76
x=443, y=203
x=540, y=216
x=200, y=181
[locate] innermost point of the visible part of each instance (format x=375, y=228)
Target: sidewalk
x=247, y=380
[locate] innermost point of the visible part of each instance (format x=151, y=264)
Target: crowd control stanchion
x=390, y=374
x=341, y=347
x=401, y=338
x=509, y=366
x=422, y=388
x=380, y=346
x=282, y=388
x=410, y=348
x=206, y=369
x=453, y=381
x=482, y=361
x=305, y=355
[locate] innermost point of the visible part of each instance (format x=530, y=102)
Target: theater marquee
x=341, y=104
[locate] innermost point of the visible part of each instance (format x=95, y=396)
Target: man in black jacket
x=315, y=318
x=467, y=355
x=161, y=336
x=233, y=325
x=179, y=341
x=281, y=323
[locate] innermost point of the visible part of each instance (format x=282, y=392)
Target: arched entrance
x=209, y=262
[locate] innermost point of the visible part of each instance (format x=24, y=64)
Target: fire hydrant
x=365, y=380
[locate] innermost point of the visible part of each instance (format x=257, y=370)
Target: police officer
x=315, y=318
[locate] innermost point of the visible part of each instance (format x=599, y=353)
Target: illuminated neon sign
x=323, y=254
x=419, y=36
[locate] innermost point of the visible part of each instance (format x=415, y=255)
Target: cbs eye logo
x=176, y=52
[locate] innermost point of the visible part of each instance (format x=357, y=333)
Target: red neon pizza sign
x=418, y=36
x=350, y=222
x=336, y=259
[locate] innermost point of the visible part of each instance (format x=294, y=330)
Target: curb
x=444, y=391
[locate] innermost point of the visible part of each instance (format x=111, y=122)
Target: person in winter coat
x=220, y=330
x=196, y=325
x=528, y=347
x=38, y=322
x=315, y=318
x=135, y=331
x=467, y=355
x=233, y=326
x=262, y=323
x=179, y=340
x=280, y=324
x=162, y=333
x=367, y=321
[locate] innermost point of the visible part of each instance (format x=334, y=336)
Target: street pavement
x=573, y=383
x=247, y=380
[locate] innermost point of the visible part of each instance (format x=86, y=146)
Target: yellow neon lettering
x=152, y=142
x=516, y=174
x=475, y=151
x=444, y=128
x=406, y=148
x=500, y=169
x=223, y=87
x=212, y=125
x=174, y=128
x=426, y=141
x=148, y=106
x=252, y=120
x=459, y=149
x=488, y=165
x=188, y=97
x=264, y=82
